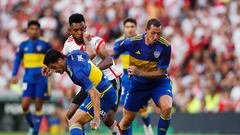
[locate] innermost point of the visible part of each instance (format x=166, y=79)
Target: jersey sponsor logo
x=138, y=52
x=156, y=54
x=80, y=58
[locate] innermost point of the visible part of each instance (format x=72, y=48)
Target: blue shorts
x=125, y=87
x=107, y=102
x=137, y=98
x=36, y=90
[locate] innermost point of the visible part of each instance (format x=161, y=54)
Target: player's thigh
x=71, y=110
x=43, y=90
x=26, y=101
x=39, y=103
x=128, y=117
x=80, y=117
x=136, y=99
x=28, y=90
x=162, y=95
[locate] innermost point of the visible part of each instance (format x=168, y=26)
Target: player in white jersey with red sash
x=95, y=47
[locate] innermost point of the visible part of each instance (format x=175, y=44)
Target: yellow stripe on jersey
x=125, y=60
x=163, y=41
x=143, y=65
x=33, y=60
x=95, y=75
x=138, y=37
x=120, y=38
x=43, y=39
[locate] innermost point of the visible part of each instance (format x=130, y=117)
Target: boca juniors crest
x=156, y=54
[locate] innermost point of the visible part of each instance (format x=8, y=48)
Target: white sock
x=114, y=129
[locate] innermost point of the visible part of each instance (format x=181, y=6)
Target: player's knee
x=109, y=119
x=126, y=122
x=25, y=108
x=166, y=111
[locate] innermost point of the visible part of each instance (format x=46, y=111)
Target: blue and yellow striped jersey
x=145, y=57
x=32, y=53
x=84, y=73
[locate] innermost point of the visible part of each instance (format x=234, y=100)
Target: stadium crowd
x=205, y=65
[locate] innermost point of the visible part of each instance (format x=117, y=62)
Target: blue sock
x=146, y=120
x=76, y=130
x=29, y=118
x=127, y=131
x=37, y=122
x=163, y=125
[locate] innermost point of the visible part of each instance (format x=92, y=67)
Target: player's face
x=58, y=67
x=33, y=31
x=77, y=30
x=130, y=29
x=153, y=34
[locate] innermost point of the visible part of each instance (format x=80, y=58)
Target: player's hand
x=86, y=37
x=133, y=70
x=46, y=71
x=14, y=80
x=94, y=124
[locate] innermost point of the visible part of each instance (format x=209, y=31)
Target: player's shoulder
x=43, y=39
x=137, y=37
x=69, y=40
x=96, y=40
x=77, y=60
x=120, y=39
x=77, y=55
x=163, y=41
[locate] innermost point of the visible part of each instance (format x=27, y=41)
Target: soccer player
x=35, y=86
x=101, y=95
x=95, y=47
x=149, y=60
x=130, y=27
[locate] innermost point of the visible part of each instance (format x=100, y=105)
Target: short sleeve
x=82, y=80
x=120, y=47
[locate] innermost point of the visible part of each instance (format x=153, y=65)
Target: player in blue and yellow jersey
x=101, y=94
x=149, y=60
x=130, y=27
x=35, y=86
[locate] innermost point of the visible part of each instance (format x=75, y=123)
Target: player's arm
x=89, y=49
x=95, y=99
x=163, y=64
x=82, y=80
x=119, y=47
x=17, y=62
x=107, y=59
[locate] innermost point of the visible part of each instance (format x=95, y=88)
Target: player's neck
x=147, y=41
x=33, y=38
